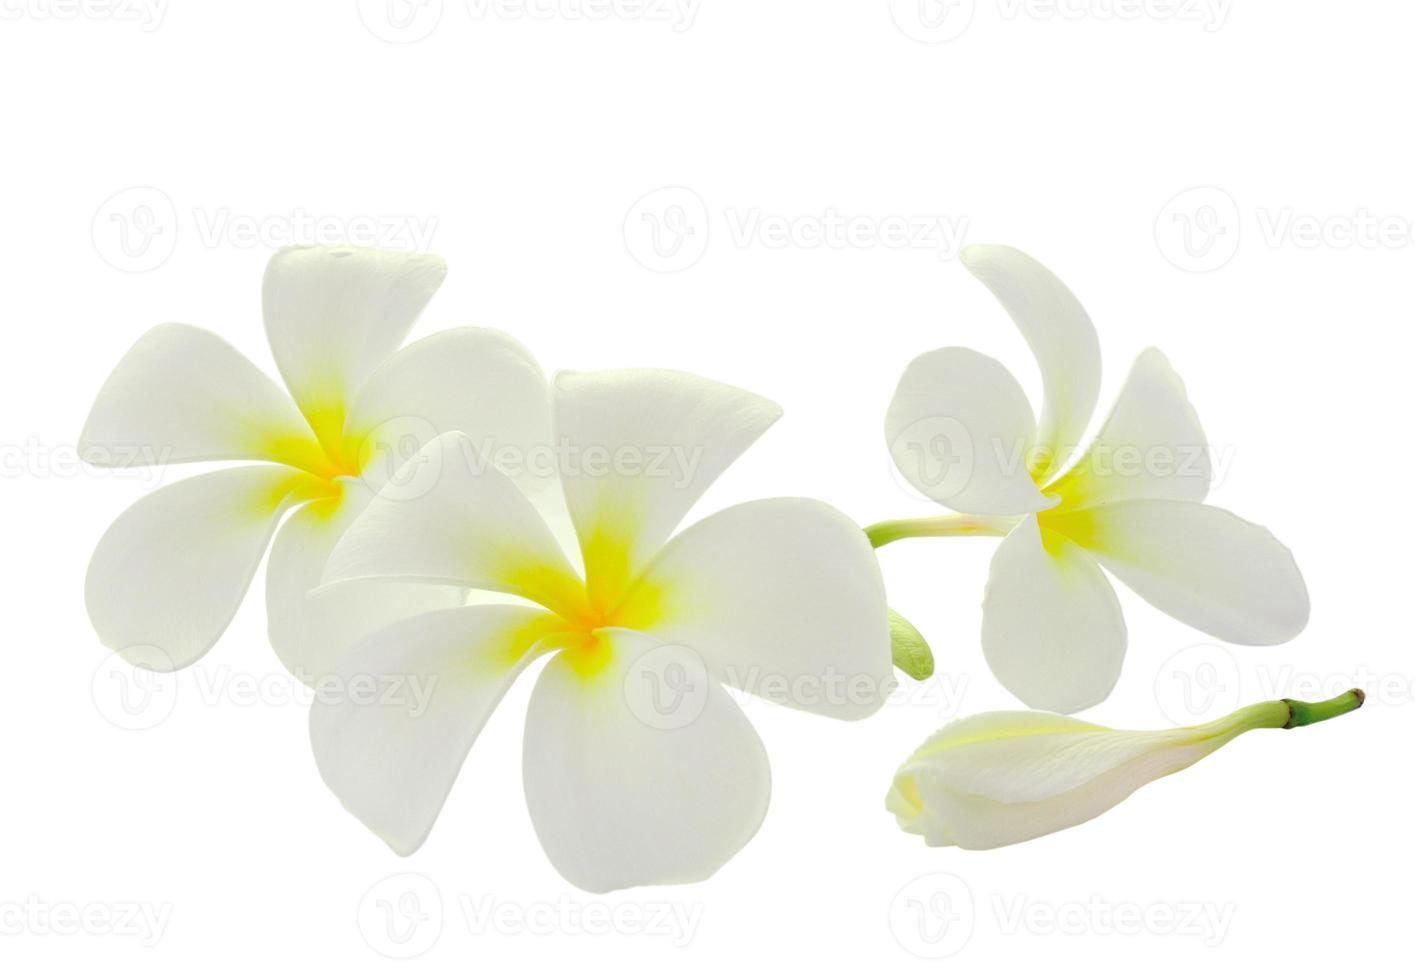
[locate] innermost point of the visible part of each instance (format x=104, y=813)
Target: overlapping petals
x=168, y=576
x=640, y=768
x=962, y=432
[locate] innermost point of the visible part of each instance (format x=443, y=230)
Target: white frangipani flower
x=781, y=597
x=1009, y=776
x=169, y=574
x=961, y=430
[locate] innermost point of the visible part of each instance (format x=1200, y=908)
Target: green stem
x=952, y=526
x=1303, y=713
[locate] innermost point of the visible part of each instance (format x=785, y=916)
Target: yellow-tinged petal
x=1150, y=447
x=333, y=315
x=169, y=574
x=391, y=724
x=1202, y=565
x=183, y=394
x=1005, y=777
x=1053, y=632
x=636, y=449
x=310, y=631
x=457, y=520
x=632, y=783
x=781, y=598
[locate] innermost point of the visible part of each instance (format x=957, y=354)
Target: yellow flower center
x=607, y=597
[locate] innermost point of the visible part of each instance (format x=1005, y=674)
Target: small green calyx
x=911, y=651
x=1304, y=713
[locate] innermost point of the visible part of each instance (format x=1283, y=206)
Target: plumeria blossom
x=639, y=768
x=962, y=432
x=1009, y=776
x=169, y=574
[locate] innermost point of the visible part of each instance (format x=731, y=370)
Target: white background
x=526, y=142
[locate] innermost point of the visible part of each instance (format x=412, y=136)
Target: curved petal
x=1061, y=336
x=990, y=792
x=1053, y=632
x=960, y=430
x=637, y=449
x=392, y=724
x=1202, y=565
x=333, y=314
x=310, y=632
x=783, y=598
x=450, y=517
x=1152, y=445
x=619, y=800
x=169, y=574
x=182, y=394
x=472, y=380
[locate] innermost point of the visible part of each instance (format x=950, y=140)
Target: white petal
x=618, y=800
x=391, y=726
x=1202, y=565
x=456, y=520
x=784, y=599
x=310, y=632
x=472, y=380
x=960, y=430
x=1061, y=336
x=182, y=394
x=1151, y=446
x=171, y=571
x=333, y=314
x=638, y=448
x=1053, y=632
x=1005, y=777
